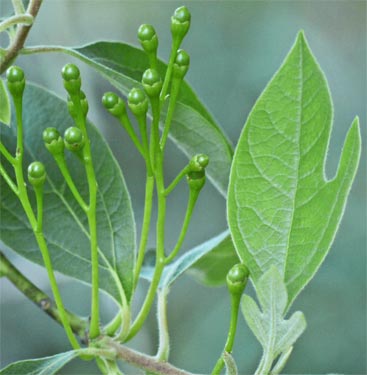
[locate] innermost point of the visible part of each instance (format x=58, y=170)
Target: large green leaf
x=42, y=366
x=65, y=225
x=282, y=210
x=193, y=128
x=275, y=334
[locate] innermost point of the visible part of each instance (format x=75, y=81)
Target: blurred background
x=235, y=48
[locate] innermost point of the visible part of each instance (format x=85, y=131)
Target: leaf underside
x=193, y=129
x=65, y=224
x=282, y=210
x=5, y=111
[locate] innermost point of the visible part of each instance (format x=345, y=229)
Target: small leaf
x=231, y=367
x=282, y=361
x=5, y=109
x=65, y=224
x=212, y=268
x=193, y=129
x=183, y=263
x=43, y=366
x=274, y=333
x=281, y=209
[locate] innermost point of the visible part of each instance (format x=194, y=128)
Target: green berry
x=152, y=82
x=181, y=64
x=196, y=180
x=72, y=81
x=53, y=141
x=73, y=139
x=148, y=38
x=180, y=23
x=138, y=102
x=237, y=278
x=198, y=163
x=36, y=174
x=83, y=105
x=16, y=81
x=114, y=104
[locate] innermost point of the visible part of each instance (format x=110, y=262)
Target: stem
x=175, y=88
x=235, y=303
x=25, y=19
x=163, y=350
x=60, y=161
x=42, y=300
x=8, y=180
x=193, y=196
x=154, y=132
x=167, y=78
x=20, y=37
x=126, y=124
x=7, y=154
x=18, y=6
x=149, y=188
x=112, y=327
x=142, y=121
x=39, y=199
x=174, y=183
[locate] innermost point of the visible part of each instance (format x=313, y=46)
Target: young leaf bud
x=114, y=104
x=36, y=174
x=16, y=81
x=180, y=23
x=74, y=139
x=53, y=141
x=152, y=82
x=198, y=163
x=237, y=278
x=148, y=38
x=181, y=64
x=138, y=102
x=72, y=81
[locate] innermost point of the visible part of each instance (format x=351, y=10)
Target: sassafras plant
x=63, y=191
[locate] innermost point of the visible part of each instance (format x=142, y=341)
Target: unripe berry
x=36, y=174
x=74, y=139
x=83, y=105
x=53, y=141
x=237, y=278
x=148, y=38
x=152, y=82
x=16, y=81
x=114, y=104
x=181, y=64
x=72, y=81
x=199, y=162
x=180, y=23
x=138, y=102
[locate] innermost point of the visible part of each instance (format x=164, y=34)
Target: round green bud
x=152, y=82
x=198, y=163
x=73, y=139
x=114, y=104
x=53, y=141
x=138, y=102
x=196, y=180
x=237, y=278
x=181, y=64
x=16, y=81
x=36, y=173
x=148, y=38
x=72, y=81
x=180, y=22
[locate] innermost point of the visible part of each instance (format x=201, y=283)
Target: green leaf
x=193, y=129
x=275, y=334
x=65, y=224
x=5, y=111
x=43, y=366
x=282, y=210
x=212, y=268
x=184, y=262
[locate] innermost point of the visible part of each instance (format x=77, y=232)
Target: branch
x=42, y=300
x=20, y=37
x=142, y=361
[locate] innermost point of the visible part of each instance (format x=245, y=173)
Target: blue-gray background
x=235, y=48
